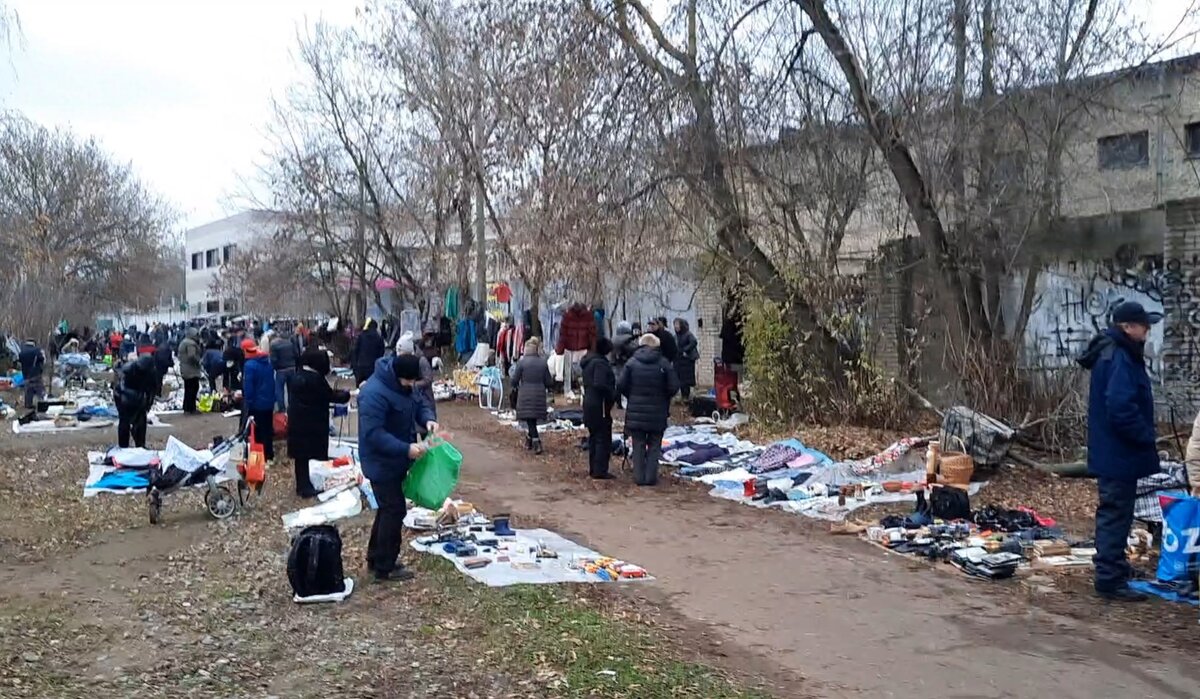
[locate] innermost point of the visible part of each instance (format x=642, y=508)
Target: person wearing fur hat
x=531, y=378
x=390, y=409
x=309, y=398
x=648, y=383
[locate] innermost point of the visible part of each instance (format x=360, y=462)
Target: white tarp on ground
x=524, y=567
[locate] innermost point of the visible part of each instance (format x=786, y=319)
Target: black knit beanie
x=407, y=366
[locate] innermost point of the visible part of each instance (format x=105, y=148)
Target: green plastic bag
x=432, y=477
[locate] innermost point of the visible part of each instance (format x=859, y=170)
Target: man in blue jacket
x=1122, y=439
x=390, y=410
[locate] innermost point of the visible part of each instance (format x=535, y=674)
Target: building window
x=211, y=259
x=1124, y=151
x=197, y=260
x=212, y=306
x=227, y=253
x=1192, y=140
x=231, y=305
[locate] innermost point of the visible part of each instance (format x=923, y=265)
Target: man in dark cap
x=1122, y=438
x=389, y=411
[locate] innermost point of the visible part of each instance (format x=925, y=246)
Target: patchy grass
x=577, y=647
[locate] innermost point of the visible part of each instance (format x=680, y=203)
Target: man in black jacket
x=648, y=383
x=33, y=368
x=134, y=394
x=368, y=348
x=599, y=395
x=666, y=340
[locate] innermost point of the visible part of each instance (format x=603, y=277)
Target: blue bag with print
x=1180, y=559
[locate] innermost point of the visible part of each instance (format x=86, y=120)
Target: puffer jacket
x=190, y=355
x=531, y=378
x=285, y=353
x=137, y=382
x=599, y=388
x=578, y=330
x=1121, y=432
x=388, y=416
x=648, y=383
x=624, y=345
x=258, y=384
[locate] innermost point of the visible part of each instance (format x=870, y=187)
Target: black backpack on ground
x=315, y=562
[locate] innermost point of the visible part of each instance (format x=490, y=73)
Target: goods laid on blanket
x=568, y=420
x=988, y=543
x=493, y=552
x=75, y=410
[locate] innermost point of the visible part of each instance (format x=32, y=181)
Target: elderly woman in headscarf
x=406, y=345
x=310, y=397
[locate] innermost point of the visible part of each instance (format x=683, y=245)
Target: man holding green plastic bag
x=389, y=412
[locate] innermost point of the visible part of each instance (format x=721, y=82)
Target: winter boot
x=500, y=526
x=537, y=446
x=528, y=442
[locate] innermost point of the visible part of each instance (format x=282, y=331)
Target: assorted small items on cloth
x=494, y=553
x=72, y=411
x=990, y=543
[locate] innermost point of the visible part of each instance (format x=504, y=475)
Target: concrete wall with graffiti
x=1074, y=299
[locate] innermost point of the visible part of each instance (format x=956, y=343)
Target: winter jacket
x=624, y=345
x=367, y=349
x=685, y=361
x=33, y=362
x=258, y=385
x=388, y=418
x=667, y=345
x=1121, y=430
x=137, y=383
x=648, y=383
x=425, y=385
x=599, y=388
x=732, y=349
x=578, y=330
x=214, y=363
x=190, y=356
x=285, y=353
x=309, y=398
x=531, y=378
x=163, y=358
x=464, y=337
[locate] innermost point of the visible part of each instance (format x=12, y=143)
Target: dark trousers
x=1114, y=517
x=131, y=424
x=304, y=486
x=232, y=382
x=264, y=431
x=647, y=450
x=191, y=389
x=532, y=431
x=685, y=392
x=383, y=550
x=35, y=390
x=281, y=379
x=212, y=382
x=599, y=447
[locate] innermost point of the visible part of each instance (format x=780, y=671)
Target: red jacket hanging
x=578, y=331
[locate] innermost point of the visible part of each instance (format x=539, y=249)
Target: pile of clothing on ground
x=130, y=470
x=991, y=542
x=791, y=476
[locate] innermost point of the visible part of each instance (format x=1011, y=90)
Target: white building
x=208, y=247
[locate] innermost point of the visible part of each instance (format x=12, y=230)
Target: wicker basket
x=956, y=467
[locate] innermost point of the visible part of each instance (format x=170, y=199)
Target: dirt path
x=850, y=619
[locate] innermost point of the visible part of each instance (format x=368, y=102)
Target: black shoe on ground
x=537, y=447
x=1123, y=594
x=605, y=477
x=397, y=575
x=306, y=494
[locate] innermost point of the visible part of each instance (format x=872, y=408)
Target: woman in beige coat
x=1192, y=458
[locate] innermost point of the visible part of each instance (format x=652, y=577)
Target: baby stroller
x=225, y=480
x=725, y=382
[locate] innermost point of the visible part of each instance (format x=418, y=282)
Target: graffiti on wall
x=1075, y=300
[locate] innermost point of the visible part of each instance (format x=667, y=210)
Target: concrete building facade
x=208, y=247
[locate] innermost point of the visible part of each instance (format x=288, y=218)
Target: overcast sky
x=181, y=88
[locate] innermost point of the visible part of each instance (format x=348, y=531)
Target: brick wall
x=709, y=313
x=1181, y=307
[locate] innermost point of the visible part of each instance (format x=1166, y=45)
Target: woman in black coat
x=648, y=383
x=531, y=378
x=599, y=395
x=687, y=353
x=308, y=415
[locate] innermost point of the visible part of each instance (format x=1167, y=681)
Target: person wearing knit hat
x=407, y=345
x=648, y=383
x=531, y=378
x=390, y=409
x=309, y=398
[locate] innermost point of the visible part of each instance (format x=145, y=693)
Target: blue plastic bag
x=1180, y=559
x=18, y=380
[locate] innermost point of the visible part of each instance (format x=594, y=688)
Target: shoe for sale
x=1122, y=594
